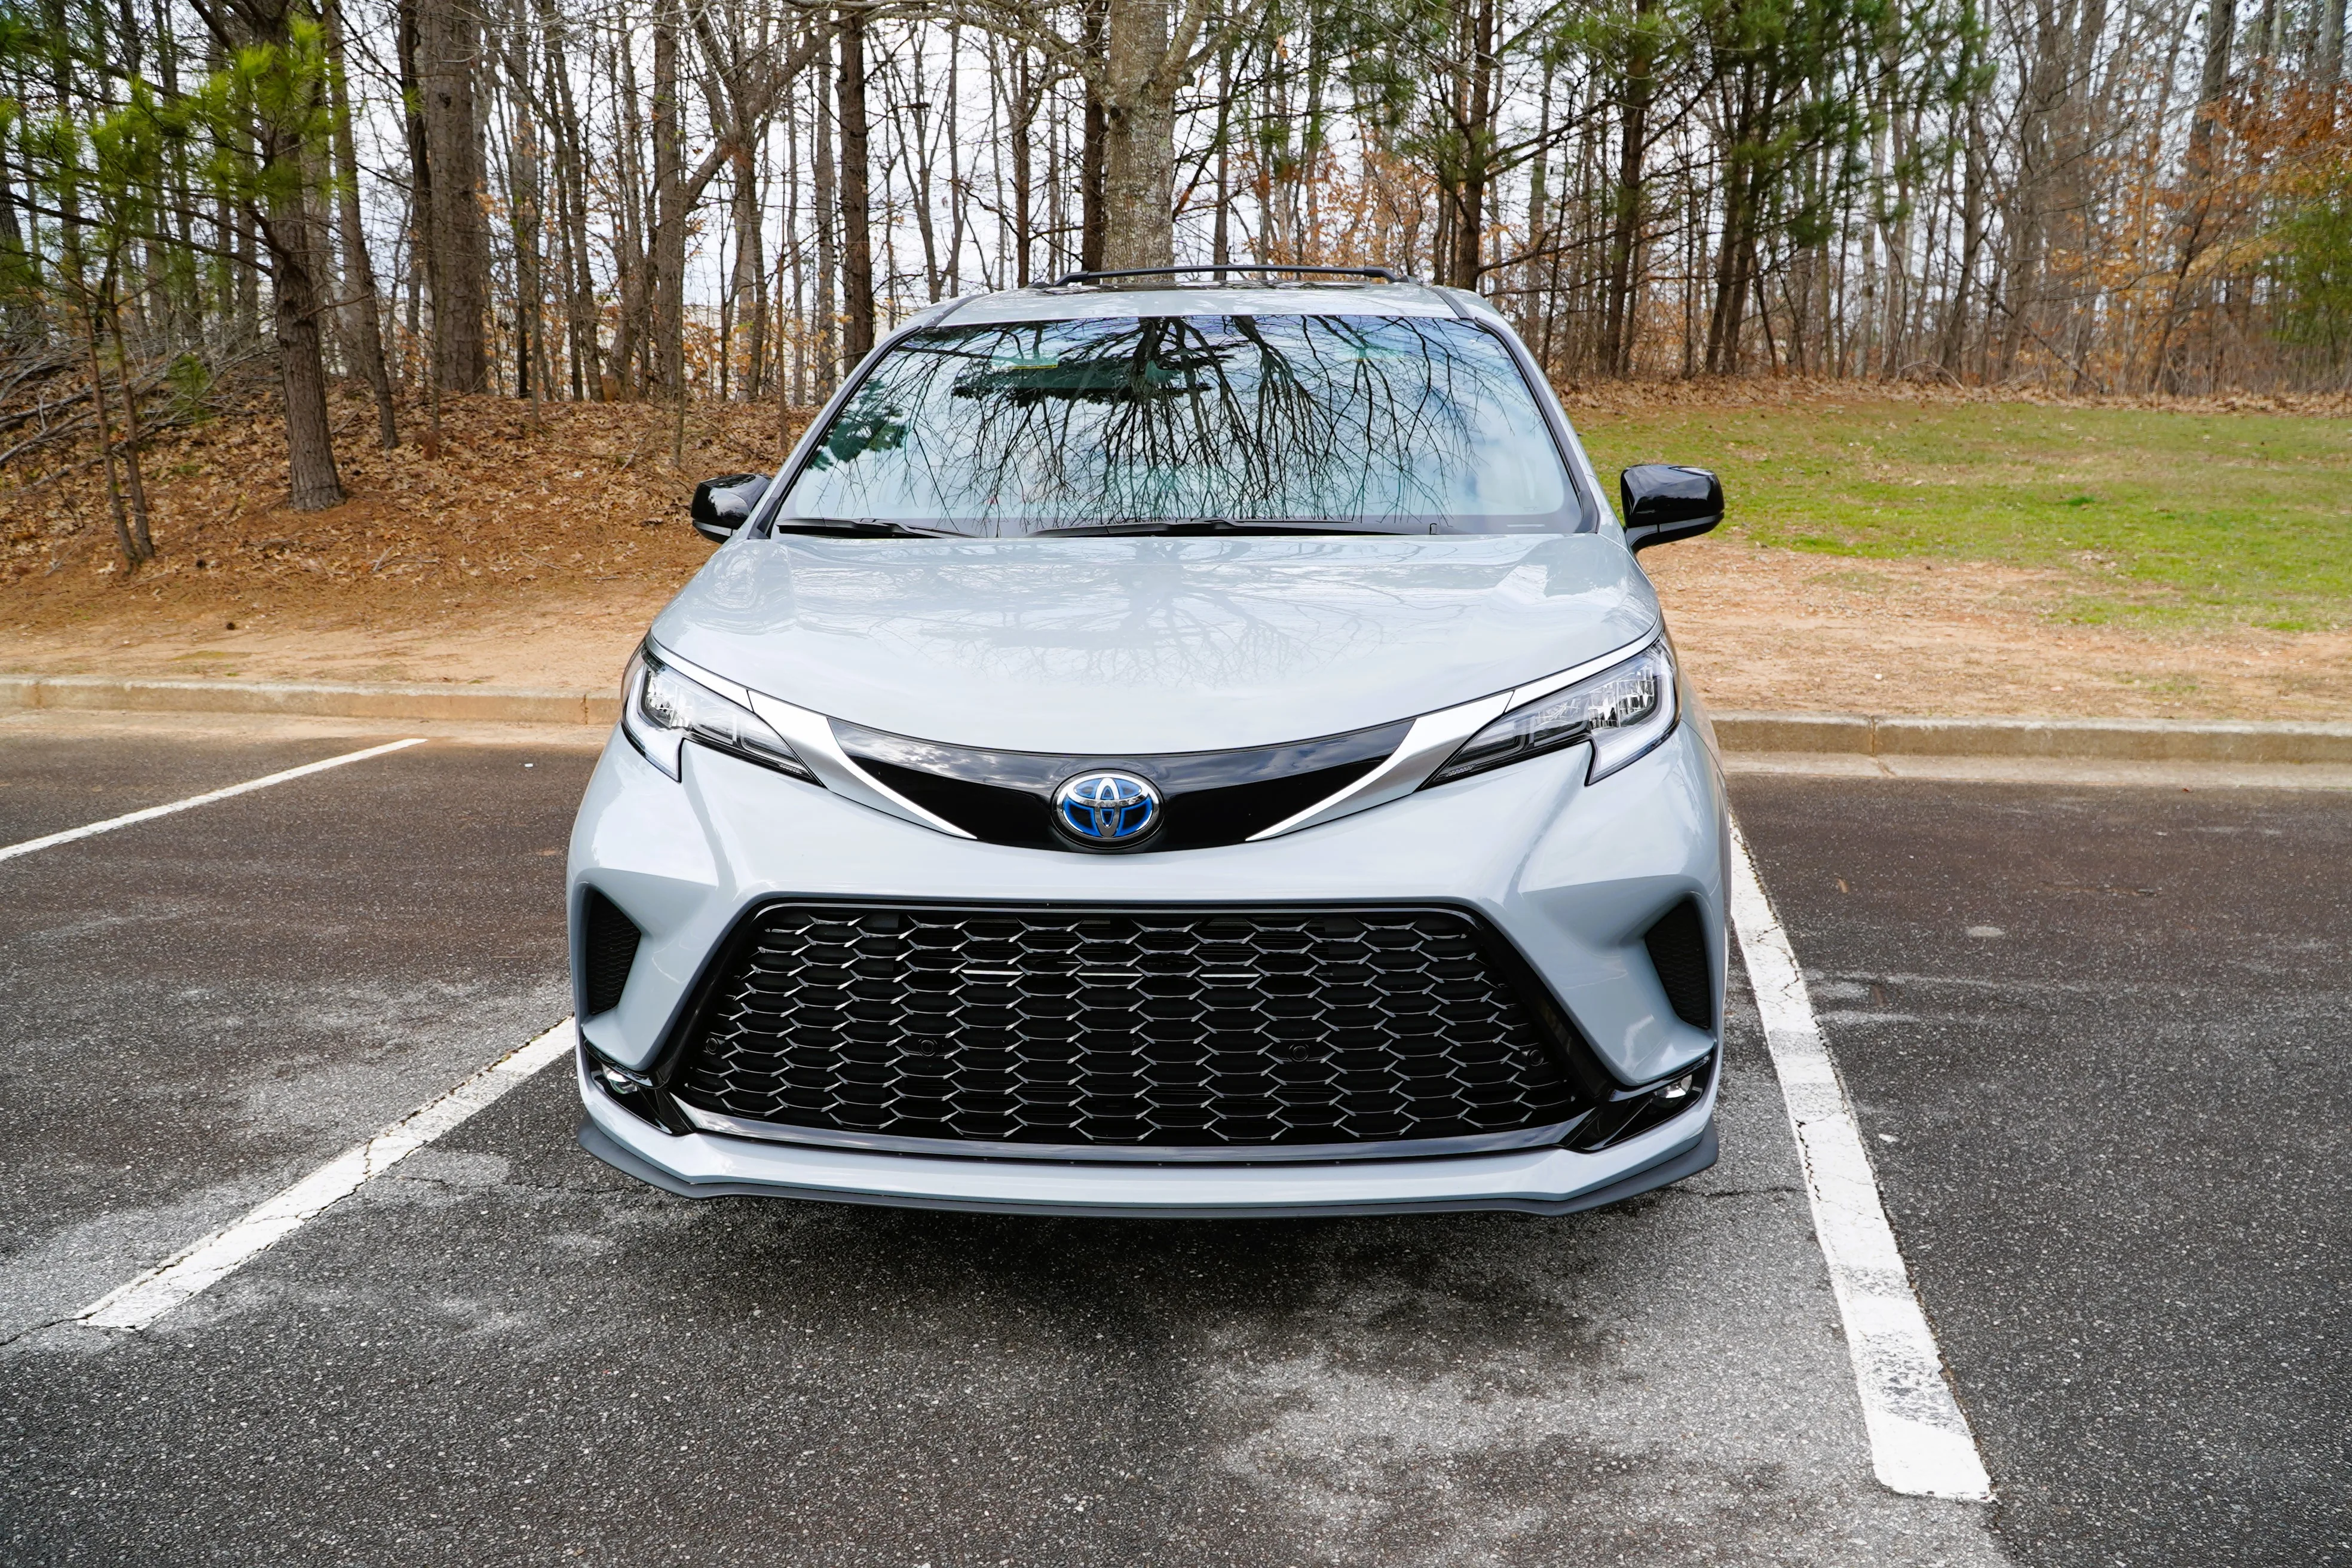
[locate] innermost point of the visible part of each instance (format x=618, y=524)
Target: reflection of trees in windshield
x=1400, y=421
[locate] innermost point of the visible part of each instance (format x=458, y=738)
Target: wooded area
x=669, y=200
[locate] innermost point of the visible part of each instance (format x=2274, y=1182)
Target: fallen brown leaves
x=587, y=498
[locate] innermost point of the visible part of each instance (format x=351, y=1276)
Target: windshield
x=1399, y=424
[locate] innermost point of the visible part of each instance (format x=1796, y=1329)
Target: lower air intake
x=1129, y=1028
x=608, y=946
x=1677, y=945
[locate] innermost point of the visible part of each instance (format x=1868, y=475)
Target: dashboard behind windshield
x=1378, y=424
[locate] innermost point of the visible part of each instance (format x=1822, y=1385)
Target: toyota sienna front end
x=1165, y=748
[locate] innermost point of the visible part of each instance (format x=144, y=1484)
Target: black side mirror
x=723, y=505
x=1662, y=502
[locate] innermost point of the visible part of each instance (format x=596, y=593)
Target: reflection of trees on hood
x=1174, y=416
x=1214, y=610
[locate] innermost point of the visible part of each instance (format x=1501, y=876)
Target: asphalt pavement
x=2110, y=1173
x=2098, y=1041
x=51, y=782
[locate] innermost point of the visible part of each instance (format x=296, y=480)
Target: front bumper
x=1534, y=1181
x=1571, y=876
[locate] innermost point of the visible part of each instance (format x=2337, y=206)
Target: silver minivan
x=1190, y=743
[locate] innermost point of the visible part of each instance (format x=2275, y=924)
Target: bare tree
x=443, y=43
x=1143, y=60
x=363, y=327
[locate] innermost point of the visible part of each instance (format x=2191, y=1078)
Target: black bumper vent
x=608, y=946
x=1128, y=1028
x=1677, y=945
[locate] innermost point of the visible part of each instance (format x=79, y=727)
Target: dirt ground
x=1778, y=629
x=535, y=557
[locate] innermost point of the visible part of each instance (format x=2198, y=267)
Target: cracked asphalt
x=2110, y=1168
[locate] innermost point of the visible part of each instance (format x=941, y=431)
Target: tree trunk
x=133, y=557
x=2212, y=89
x=958, y=219
x=25, y=325
x=1625, y=226
x=458, y=251
x=856, y=237
x=319, y=237
x=2026, y=226
x=1138, y=159
x=1220, y=243
x=747, y=284
x=1094, y=130
x=1474, y=109
x=1540, y=219
x=411, y=348
x=140, y=533
x=571, y=214
x=825, y=216
x=248, y=319
x=791, y=257
x=526, y=197
x=920, y=153
x=668, y=258
x=2221, y=20
x=1736, y=249
x=1971, y=241
x=632, y=329
x=1896, y=222
x=1023, y=99
x=2214, y=83
x=1872, y=225
x=313, y=483
x=183, y=290
x=420, y=190
x=131, y=530
x=363, y=328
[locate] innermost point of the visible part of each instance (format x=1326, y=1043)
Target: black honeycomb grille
x=1126, y=1028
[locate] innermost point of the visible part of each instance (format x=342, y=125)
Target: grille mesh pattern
x=1121, y=1028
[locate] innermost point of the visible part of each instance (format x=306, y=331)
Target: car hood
x=1130, y=644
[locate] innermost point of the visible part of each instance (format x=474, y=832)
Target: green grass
x=2160, y=517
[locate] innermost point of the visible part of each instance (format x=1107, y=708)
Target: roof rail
x=1384, y=274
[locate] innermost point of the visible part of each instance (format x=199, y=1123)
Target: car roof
x=1119, y=298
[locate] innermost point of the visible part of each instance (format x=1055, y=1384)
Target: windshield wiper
x=868, y=527
x=884, y=527
x=1184, y=525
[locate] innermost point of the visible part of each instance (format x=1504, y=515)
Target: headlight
x=661, y=709
x=1625, y=711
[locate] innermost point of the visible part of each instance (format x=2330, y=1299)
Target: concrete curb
x=1859, y=734
x=478, y=704
x=2103, y=739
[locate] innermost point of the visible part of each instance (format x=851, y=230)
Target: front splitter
x=1534, y=1181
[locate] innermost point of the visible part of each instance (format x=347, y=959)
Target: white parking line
x=11, y=851
x=138, y=1303
x=1919, y=1441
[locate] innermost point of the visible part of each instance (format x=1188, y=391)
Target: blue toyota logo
x=1107, y=808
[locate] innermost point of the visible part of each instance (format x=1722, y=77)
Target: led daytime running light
x=661, y=709
x=1624, y=711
